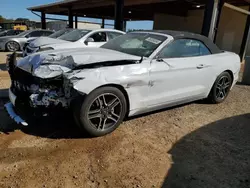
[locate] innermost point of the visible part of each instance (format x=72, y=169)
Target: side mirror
x=90, y=39
x=27, y=36
x=158, y=59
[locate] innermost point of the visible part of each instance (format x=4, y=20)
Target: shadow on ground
x=58, y=127
x=216, y=155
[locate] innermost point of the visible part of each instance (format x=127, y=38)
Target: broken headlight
x=49, y=71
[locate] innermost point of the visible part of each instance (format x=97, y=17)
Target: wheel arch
x=228, y=71
x=231, y=73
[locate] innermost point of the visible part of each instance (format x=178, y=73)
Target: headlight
x=45, y=71
x=45, y=49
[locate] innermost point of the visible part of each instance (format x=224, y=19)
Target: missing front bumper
x=10, y=109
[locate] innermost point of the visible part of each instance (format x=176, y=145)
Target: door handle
x=201, y=66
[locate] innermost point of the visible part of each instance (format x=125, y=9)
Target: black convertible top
x=214, y=49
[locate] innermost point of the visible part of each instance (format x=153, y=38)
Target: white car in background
x=76, y=38
x=30, y=46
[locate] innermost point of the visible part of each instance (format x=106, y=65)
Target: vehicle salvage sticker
x=152, y=40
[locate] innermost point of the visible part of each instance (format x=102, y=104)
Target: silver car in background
x=16, y=43
x=32, y=45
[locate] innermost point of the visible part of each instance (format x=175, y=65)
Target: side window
x=46, y=33
x=11, y=32
x=35, y=34
x=18, y=32
x=112, y=35
x=184, y=48
x=99, y=37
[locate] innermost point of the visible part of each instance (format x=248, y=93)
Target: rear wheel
x=12, y=46
x=221, y=88
x=102, y=111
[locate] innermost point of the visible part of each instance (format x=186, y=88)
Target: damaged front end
x=40, y=89
x=44, y=83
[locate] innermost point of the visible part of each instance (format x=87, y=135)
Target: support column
x=76, y=22
x=103, y=23
x=119, y=6
x=43, y=20
x=71, y=21
x=124, y=25
x=211, y=15
x=245, y=38
x=220, y=6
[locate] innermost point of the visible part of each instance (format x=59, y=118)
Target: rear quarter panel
x=226, y=61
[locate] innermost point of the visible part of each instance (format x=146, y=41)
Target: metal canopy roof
x=133, y=9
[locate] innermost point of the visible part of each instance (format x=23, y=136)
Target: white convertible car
x=130, y=75
x=77, y=38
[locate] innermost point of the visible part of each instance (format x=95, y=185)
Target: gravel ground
x=195, y=145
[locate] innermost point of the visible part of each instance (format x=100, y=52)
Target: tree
x=2, y=19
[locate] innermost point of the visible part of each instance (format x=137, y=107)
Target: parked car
x=135, y=73
x=32, y=45
x=10, y=32
x=76, y=39
x=15, y=43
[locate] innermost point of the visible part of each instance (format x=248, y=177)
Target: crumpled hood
x=65, y=60
x=41, y=41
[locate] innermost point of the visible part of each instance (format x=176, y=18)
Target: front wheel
x=12, y=46
x=221, y=88
x=102, y=111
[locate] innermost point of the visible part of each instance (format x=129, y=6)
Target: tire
x=97, y=117
x=220, y=89
x=12, y=46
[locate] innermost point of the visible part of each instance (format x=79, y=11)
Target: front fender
x=86, y=86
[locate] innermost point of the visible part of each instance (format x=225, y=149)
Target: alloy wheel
x=223, y=87
x=12, y=46
x=105, y=111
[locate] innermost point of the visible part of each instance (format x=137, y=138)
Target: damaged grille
x=24, y=83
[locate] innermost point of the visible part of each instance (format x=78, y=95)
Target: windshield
x=139, y=44
x=23, y=33
x=74, y=35
x=60, y=33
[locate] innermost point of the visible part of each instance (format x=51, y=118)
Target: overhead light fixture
x=84, y=15
x=129, y=12
x=198, y=6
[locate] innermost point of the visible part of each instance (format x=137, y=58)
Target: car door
x=99, y=38
x=180, y=72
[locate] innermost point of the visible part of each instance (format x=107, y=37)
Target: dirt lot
x=196, y=145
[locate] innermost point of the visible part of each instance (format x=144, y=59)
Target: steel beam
x=103, y=23
x=43, y=20
x=76, y=22
x=71, y=21
x=245, y=38
x=119, y=6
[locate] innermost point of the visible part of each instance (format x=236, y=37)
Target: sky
x=18, y=9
